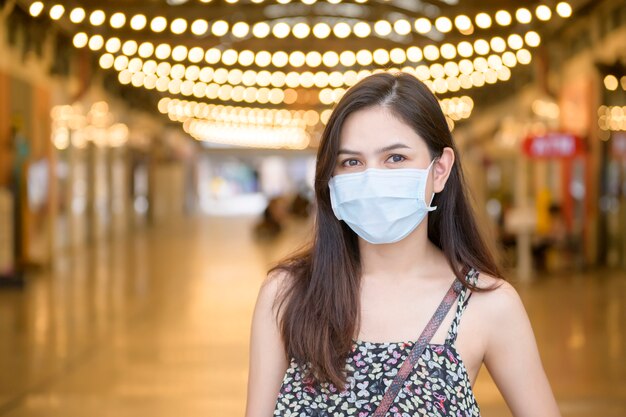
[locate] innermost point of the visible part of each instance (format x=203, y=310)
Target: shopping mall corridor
x=158, y=325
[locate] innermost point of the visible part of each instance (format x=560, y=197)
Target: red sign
x=553, y=145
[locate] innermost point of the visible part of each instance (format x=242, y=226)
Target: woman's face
x=374, y=138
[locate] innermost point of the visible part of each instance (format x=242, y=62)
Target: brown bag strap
x=411, y=360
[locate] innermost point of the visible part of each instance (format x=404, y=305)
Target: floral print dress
x=438, y=386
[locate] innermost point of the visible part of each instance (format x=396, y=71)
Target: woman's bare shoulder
x=500, y=302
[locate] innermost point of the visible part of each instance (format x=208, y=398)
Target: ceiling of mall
x=220, y=52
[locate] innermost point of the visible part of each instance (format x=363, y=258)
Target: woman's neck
x=413, y=257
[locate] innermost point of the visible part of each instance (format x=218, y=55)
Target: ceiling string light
x=329, y=59
x=162, y=73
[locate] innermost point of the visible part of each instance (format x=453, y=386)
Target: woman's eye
x=396, y=158
x=350, y=163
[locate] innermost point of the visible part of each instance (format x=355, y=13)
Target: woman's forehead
x=377, y=127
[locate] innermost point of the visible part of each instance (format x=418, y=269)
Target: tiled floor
x=158, y=325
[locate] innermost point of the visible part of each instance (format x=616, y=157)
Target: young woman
x=338, y=329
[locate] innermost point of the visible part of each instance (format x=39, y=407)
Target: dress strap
x=471, y=277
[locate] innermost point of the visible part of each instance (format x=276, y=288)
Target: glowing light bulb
x=483, y=20
x=138, y=22
x=523, y=15
x=199, y=27
x=462, y=23
x=503, y=18
x=178, y=26
x=158, y=24
x=423, y=25
x=382, y=27
x=443, y=24
x=117, y=20
x=35, y=9
x=563, y=9
x=362, y=29
x=97, y=17
x=56, y=11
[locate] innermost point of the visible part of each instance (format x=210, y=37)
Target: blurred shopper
x=335, y=328
x=271, y=223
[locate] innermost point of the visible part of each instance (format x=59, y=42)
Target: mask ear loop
x=430, y=207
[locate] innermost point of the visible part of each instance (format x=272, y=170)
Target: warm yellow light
x=56, y=12
x=80, y=40
x=77, y=15
x=117, y=20
x=163, y=51
x=462, y=23
x=113, y=45
x=497, y=44
x=443, y=24
x=503, y=18
x=121, y=63
x=297, y=58
x=509, y=59
x=97, y=17
x=35, y=9
x=431, y=52
x=414, y=54
x=564, y=9
x=342, y=30
x=281, y=30
x=106, y=61
x=179, y=53
x=138, y=22
x=532, y=39
x=313, y=59
x=523, y=56
x=423, y=25
x=448, y=51
x=364, y=57
x=347, y=58
x=199, y=27
x=321, y=30
x=145, y=50
x=465, y=49
x=543, y=12
x=261, y=30
x=240, y=29
x=178, y=26
x=279, y=59
x=301, y=30
x=402, y=27
x=382, y=27
x=610, y=82
x=495, y=62
x=362, y=29
x=219, y=28
x=381, y=56
x=263, y=58
x=515, y=41
x=481, y=46
x=330, y=58
x=96, y=42
x=158, y=24
x=397, y=55
x=483, y=20
x=129, y=47
x=523, y=15
x=196, y=54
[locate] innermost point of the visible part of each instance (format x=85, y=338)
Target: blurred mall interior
x=157, y=156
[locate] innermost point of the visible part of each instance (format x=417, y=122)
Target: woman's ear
x=442, y=168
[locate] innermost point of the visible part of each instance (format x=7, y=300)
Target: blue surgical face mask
x=381, y=205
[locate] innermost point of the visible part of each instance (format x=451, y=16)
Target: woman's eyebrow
x=381, y=150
